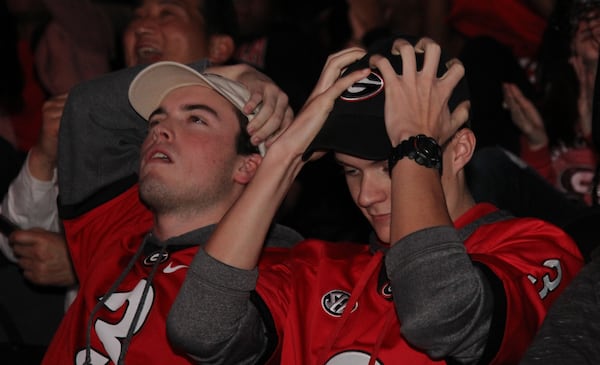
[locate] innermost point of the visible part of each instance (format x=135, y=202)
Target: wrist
x=40, y=165
x=423, y=150
x=536, y=144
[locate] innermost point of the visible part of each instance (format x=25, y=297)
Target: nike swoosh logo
x=171, y=269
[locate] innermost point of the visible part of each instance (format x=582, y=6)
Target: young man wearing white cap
x=444, y=280
x=194, y=163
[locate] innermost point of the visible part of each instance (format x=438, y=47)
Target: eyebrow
x=206, y=108
x=140, y=3
x=157, y=111
x=187, y=108
x=343, y=164
x=175, y=2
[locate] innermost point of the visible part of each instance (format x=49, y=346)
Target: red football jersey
x=102, y=242
x=330, y=305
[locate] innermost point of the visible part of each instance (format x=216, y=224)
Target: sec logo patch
x=335, y=301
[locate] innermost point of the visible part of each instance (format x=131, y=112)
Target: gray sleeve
x=100, y=136
x=213, y=319
x=571, y=329
x=443, y=301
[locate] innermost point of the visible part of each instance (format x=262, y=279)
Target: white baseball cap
x=153, y=83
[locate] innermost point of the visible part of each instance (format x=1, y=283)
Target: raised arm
x=223, y=272
x=443, y=305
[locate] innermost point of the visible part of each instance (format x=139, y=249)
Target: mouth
x=148, y=54
x=380, y=218
x=158, y=156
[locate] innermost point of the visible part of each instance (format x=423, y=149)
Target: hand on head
x=417, y=100
x=315, y=111
x=274, y=113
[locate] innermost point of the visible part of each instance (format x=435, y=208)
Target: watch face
x=428, y=152
x=426, y=146
x=422, y=149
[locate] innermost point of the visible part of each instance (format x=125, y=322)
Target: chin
x=153, y=193
x=383, y=235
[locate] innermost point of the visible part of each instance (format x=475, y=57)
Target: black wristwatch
x=422, y=149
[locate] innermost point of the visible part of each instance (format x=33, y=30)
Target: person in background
x=52, y=52
x=557, y=140
x=553, y=175
x=75, y=45
x=501, y=36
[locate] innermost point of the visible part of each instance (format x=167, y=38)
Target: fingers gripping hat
x=356, y=124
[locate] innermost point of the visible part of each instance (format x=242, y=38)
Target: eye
x=198, y=120
x=152, y=123
x=165, y=13
x=168, y=11
x=350, y=171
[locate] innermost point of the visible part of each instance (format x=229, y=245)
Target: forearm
x=431, y=266
x=99, y=136
x=415, y=186
x=31, y=202
x=240, y=235
x=213, y=319
x=428, y=263
x=232, y=72
x=40, y=165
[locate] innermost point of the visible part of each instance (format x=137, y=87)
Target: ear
x=463, y=147
x=220, y=48
x=247, y=168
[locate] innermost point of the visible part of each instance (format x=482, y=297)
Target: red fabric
x=539, y=159
x=570, y=169
x=299, y=285
x=102, y=242
x=27, y=123
x=511, y=22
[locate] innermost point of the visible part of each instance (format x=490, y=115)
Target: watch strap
x=422, y=149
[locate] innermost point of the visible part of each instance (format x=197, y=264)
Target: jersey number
x=550, y=284
x=111, y=334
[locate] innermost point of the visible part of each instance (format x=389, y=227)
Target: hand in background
x=43, y=256
x=587, y=80
x=42, y=158
x=525, y=116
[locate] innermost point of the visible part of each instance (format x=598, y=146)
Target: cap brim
x=348, y=134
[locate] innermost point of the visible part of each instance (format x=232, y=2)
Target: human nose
x=162, y=132
x=143, y=24
x=372, y=191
